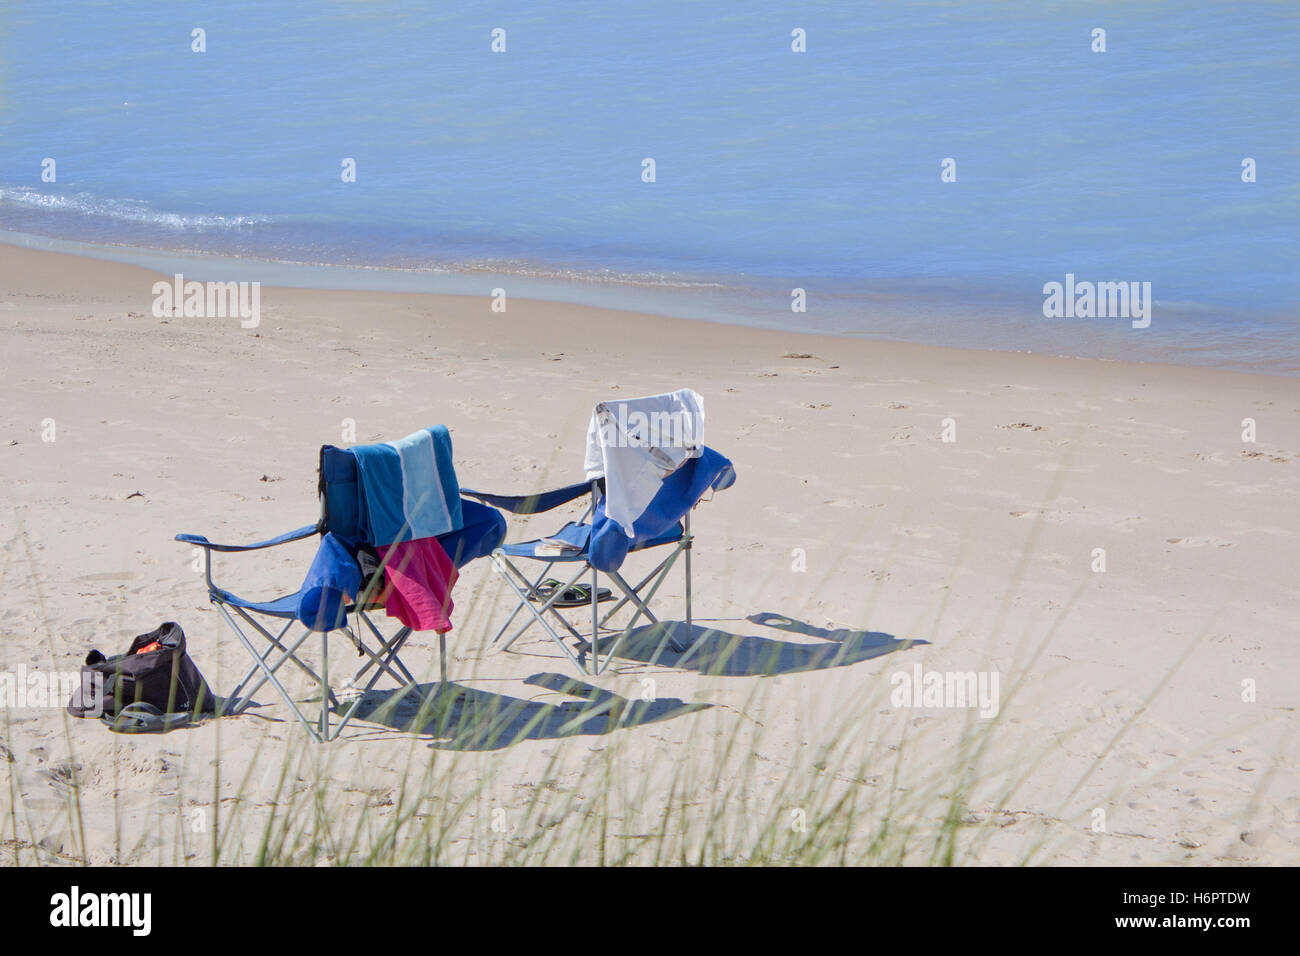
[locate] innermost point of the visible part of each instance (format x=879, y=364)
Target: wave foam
x=124, y=210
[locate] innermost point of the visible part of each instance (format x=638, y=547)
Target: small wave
x=533, y=270
x=124, y=210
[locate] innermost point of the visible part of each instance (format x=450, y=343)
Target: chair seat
x=282, y=607
x=528, y=549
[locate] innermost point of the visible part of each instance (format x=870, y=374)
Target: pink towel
x=420, y=578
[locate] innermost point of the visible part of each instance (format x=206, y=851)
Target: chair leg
x=505, y=568
x=618, y=605
x=508, y=621
x=537, y=613
x=595, y=623
x=266, y=664
x=643, y=604
x=245, y=694
x=641, y=609
x=324, y=685
x=269, y=672
x=442, y=654
x=632, y=595
x=519, y=582
x=690, y=633
x=526, y=589
x=233, y=698
x=292, y=656
x=392, y=647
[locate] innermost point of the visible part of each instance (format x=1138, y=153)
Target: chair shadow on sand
x=718, y=653
x=468, y=718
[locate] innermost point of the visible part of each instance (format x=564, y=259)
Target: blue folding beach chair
x=322, y=605
x=598, y=544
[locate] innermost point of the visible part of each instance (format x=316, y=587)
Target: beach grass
x=425, y=776
x=602, y=792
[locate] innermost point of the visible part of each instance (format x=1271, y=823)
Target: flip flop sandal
x=579, y=595
x=544, y=590
x=575, y=595
x=144, y=718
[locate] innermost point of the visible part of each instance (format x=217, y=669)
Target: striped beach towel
x=409, y=487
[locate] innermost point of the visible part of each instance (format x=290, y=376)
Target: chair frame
x=264, y=666
x=539, y=606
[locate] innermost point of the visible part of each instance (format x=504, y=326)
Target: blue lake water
x=773, y=169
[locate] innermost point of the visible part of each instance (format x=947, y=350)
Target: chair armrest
x=726, y=478
x=197, y=539
x=532, y=504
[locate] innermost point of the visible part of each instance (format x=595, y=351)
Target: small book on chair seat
x=556, y=546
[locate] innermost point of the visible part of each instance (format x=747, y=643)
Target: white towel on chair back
x=636, y=443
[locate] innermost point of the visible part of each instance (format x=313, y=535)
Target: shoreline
x=700, y=299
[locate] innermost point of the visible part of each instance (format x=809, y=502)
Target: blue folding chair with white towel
x=372, y=496
x=647, y=468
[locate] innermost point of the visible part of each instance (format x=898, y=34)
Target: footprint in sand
x=1265, y=456
x=1204, y=541
x=107, y=576
x=912, y=532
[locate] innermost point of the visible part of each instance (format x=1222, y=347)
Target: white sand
x=1128, y=684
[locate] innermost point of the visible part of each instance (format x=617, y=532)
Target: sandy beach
x=1146, y=712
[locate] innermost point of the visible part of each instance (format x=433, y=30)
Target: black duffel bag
x=163, y=676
